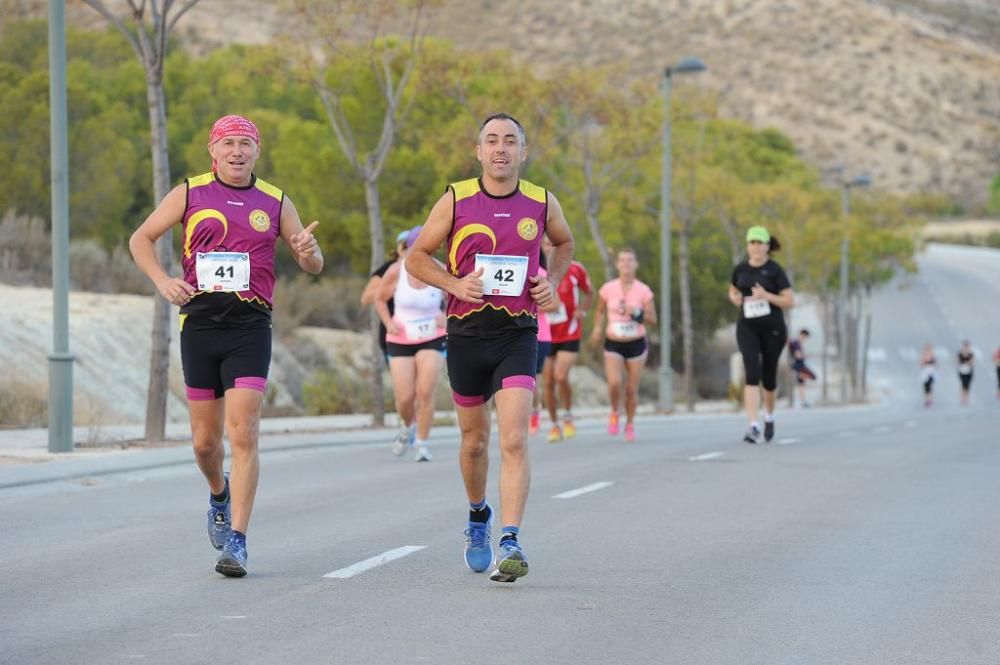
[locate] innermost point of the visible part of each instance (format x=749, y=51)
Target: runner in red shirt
x=575, y=298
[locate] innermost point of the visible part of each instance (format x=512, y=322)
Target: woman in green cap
x=760, y=288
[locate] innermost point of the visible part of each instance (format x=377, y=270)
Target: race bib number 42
x=223, y=271
x=502, y=275
x=754, y=308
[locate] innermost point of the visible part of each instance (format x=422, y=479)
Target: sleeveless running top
x=544, y=327
x=416, y=311
x=223, y=218
x=507, y=232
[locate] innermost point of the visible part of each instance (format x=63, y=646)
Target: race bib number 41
x=223, y=271
x=502, y=275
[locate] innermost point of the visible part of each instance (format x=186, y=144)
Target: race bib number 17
x=502, y=275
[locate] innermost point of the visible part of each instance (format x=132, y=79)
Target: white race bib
x=624, y=329
x=754, y=308
x=223, y=271
x=558, y=316
x=502, y=275
x=422, y=328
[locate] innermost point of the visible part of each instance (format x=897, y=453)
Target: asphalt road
x=863, y=534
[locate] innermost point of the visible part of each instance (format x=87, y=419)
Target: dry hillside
x=907, y=90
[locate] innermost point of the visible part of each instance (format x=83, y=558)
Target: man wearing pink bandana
x=230, y=221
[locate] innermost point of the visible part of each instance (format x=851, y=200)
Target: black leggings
x=761, y=348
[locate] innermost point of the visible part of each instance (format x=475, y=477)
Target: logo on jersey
x=260, y=220
x=527, y=228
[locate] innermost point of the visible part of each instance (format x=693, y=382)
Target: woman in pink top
x=629, y=306
x=415, y=343
x=544, y=346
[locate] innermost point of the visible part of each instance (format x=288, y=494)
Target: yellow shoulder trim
x=532, y=191
x=201, y=180
x=268, y=189
x=465, y=188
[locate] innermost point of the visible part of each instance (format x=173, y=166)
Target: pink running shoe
x=533, y=423
x=629, y=433
x=613, y=424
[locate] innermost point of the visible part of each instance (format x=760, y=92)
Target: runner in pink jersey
x=415, y=344
x=492, y=228
x=231, y=221
x=544, y=346
x=628, y=304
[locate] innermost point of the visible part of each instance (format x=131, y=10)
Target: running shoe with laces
x=534, y=423
x=511, y=562
x=233, y=560
x=405, y=439
x=219, y=519
x=423, y=455
x=478, y=549
x=630, y=432
x=568, y=428
x=555, y=434
x=752, y=435
x=613, y=424
x=768, y=431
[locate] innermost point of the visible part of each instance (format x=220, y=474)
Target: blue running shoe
x=233, y=560
x=511, y=562
x=478, y=550
x=219, y=520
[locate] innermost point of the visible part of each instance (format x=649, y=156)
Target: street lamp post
x=845, y=207
x=666, y=396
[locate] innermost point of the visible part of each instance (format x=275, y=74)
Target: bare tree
x=148, y=33
x=330, y=26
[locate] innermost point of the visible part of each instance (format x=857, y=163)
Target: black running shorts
x=571, y=347
x=216, y=359
x=394, y=350
x=480, y=366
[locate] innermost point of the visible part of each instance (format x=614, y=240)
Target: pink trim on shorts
x=199, y=394
x=518, y=381
x=468, y=402
x=258, y=383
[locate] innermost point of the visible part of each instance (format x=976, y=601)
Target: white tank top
x=417, y=310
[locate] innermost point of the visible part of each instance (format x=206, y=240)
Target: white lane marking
x=977, y=353
x=583, y=490
x=910, y=423
x=876, y=354
x=233, y=616
x=375, y=561
x=882, y=429
x=706, y=456
x=787, y=442
x=849, y=433
x=908, y=353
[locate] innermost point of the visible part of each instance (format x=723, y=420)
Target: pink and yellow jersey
x=503, y=235
x=244, y=221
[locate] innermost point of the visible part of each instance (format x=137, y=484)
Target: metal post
x=666, y=397
x=60, y=360
x=845, y=207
